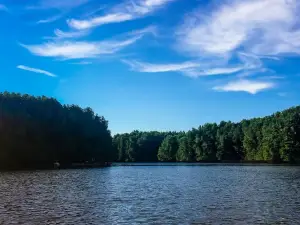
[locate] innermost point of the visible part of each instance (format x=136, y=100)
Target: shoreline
x=252, y=163
x=158, y=164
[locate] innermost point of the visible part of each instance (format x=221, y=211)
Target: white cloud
x=263, y=27
x=97, y=21
x=158, y=68
x=249, y=86
x=245, y=33
x=249, y=64
x=125, y=11
x=189, y=68
x=82, y=63
x=143, y=7
x=79, y=49
x=153, y=3
x=147, y=30
x=35, y=70
x=281, y=42
x=71, y=34
x=215, y=71
x=50, y=19
x=274, y=77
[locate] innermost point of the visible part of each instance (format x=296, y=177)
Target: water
x=152, y=195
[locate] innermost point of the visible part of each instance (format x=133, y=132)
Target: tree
x=185, y=152
x=290, y=150
x=208, y=141
x=168, y=149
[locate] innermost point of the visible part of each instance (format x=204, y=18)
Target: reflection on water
x=153, y=195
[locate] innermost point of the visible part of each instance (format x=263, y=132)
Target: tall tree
x=168, y=149
x=185, y=152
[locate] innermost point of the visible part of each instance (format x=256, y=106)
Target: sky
x=155, y=64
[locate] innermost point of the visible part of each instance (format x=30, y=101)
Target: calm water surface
x=153, y=195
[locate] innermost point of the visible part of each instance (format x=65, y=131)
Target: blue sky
x=155, y=64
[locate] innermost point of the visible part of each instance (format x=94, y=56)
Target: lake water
x=153, y=195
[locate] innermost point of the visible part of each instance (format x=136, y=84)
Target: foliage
x=168, y=149
x=273, y=138
x=36, y=131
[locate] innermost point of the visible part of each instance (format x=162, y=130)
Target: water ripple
x=152, y=195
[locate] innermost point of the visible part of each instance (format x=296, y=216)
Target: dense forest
x=37, y=131
x=273, y=138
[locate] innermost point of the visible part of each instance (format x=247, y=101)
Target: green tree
x=168, y=149
x=185, y=152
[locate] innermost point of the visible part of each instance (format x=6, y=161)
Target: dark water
x=153, y=195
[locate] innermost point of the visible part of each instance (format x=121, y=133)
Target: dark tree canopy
x=36, y=131
x=138, y=146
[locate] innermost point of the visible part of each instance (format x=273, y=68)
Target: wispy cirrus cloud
x=35, y=70
x=189, y=68
x=71, y=49
x=126, y=11
x=250, y=86
x=82, y=63
x=198, y=68
x=50, y=19
x=247, y=32
x=79, y=49
x=259, y=26
x=198, y=72
x=159, y=68
x=59, y=34
x=97, y=21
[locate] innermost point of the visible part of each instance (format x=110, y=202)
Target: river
x=152, y=195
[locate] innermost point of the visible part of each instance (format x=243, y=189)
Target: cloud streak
x=98, y=21
x=159, y=68
x=50, y=19
x=198, y=72
x=126, y=11
x=189, y=68
x=79, y=49
x=250, y=86
x=59, y=34
x=82, y=63
x=61, y=48
x=35, y=70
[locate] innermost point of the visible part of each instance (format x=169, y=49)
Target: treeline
x=37, y=131
x=273, y=138
x=138, y=146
